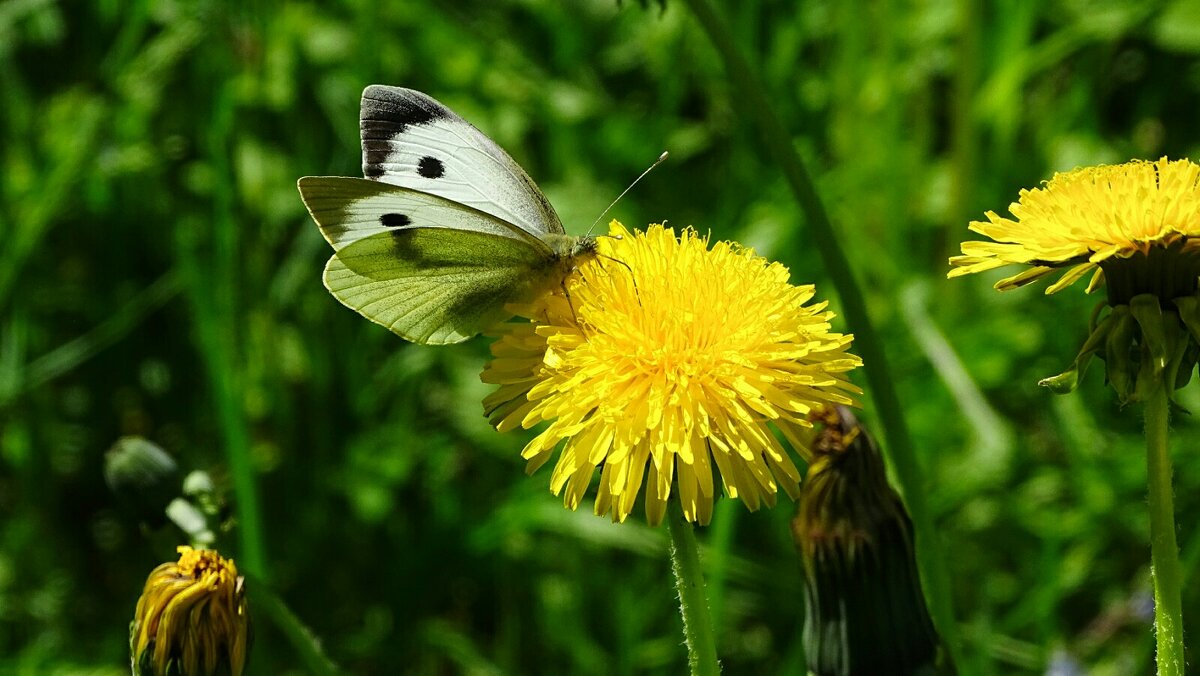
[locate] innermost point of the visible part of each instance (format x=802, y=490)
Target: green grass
x=159, y=277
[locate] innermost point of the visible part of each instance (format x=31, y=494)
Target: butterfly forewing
x=434, y=285
x=349, y=209
x=411, y=140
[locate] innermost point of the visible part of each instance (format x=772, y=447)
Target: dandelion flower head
x=663, y=358
x=1102, y=220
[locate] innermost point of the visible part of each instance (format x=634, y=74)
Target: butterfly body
x=445, y=231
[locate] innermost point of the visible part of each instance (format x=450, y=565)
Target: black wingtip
x=391, y=109
x=386, y=113
x=385, y=92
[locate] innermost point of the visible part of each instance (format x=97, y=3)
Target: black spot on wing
x=430, y=167
x=375, y=156
x=385, y=113
x=394, y=220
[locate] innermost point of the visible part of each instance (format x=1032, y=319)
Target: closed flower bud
x=191, y=619
x=866, y=613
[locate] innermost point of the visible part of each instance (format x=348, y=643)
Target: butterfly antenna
x=660, y=160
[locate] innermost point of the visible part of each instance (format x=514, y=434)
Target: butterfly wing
x=349, y=209
x=428, y=269
x=433, y=285
x=411, y=140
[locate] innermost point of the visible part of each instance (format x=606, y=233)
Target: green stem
x=1164, y=553
x=693, y=602
x=866, y=341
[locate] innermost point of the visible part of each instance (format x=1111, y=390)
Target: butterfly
x=444, y=231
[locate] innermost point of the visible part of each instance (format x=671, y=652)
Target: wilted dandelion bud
x=865, y=610
x=192, y=618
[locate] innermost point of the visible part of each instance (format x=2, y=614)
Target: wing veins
x=466, y=165
x=382, y=188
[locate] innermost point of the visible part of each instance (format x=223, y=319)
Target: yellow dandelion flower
x=192, y=618
x=663, y=358
x=1100, y=220
x=1136, y=228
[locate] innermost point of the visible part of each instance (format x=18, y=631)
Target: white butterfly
x=445, y=230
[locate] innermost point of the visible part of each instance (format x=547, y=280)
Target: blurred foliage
x=159, y=277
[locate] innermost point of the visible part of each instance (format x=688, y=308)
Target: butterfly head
x=583, y=247
x=571, y=251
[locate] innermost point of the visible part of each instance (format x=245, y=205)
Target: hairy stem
x=693, y=601
x=1164, y=552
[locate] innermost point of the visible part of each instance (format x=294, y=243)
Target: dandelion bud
x=866, y=613
x=191, y=619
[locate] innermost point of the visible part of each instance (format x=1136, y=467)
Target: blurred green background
x=160, y=277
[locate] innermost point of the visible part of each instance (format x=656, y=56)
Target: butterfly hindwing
x=349, y=209
x=411, y=140
x=434, y=285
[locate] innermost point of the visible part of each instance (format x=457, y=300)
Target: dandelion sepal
x=1143, y=344
x=1067, y=381
x=1149, y=316
x=1189, y=314
x=1179, y=347
x=1164, y=345
x=1119, y=368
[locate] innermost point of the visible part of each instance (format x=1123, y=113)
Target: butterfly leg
x=571, y=304
x=632, y=278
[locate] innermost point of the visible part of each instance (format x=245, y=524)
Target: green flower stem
x=866, y=342
x=1168, y=608
x=693, y=601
